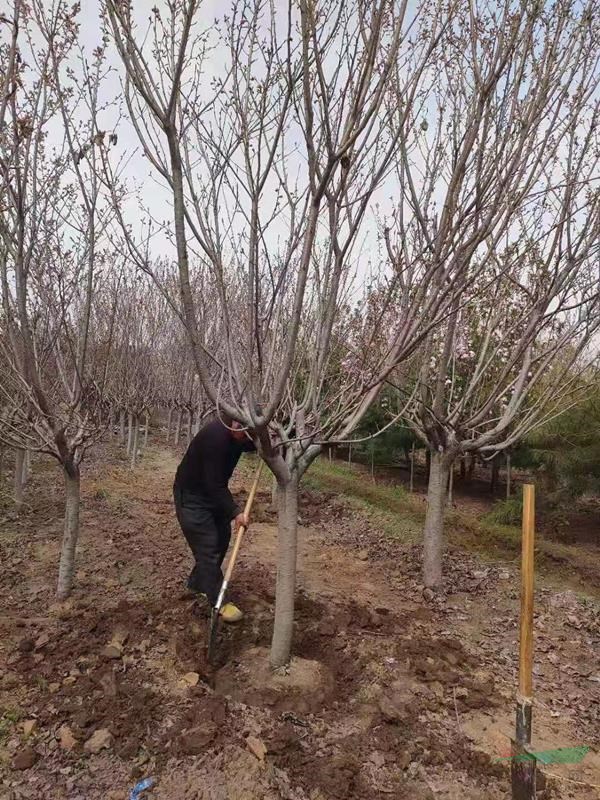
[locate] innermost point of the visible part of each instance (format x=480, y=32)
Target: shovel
x=214, y=614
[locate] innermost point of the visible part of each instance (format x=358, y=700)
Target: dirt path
x=388, y=695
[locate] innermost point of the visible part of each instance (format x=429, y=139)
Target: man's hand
x=240, y=520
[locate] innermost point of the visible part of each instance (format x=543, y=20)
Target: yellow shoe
x=231, y=613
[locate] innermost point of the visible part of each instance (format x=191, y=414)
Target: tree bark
x=134, y=441
x=451, y=485
x=428, y=462
x=26, y=466
x=178, y=426
x=130, y=433
x=19, y=483
x=287, y=543
x=274, y=491
x=169, y=420
x=433, y=534
x=66, y=568
x=122, y=424
x=147, y=418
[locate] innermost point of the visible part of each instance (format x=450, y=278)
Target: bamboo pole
x=523, y=766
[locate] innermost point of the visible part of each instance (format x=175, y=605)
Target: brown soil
x=389, y=695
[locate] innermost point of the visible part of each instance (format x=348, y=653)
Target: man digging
x=205, y=507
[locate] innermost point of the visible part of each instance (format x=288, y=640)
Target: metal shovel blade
x=212, y=635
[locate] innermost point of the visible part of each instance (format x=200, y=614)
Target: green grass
x=401, y=515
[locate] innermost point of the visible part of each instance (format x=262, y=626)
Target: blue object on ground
x=140, y=787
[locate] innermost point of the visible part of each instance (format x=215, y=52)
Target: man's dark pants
x=208, y=536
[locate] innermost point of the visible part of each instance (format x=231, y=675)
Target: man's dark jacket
x=208, y=465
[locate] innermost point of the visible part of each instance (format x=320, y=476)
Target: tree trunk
x=1, y=464
x=169, y=420
x=274, y=494
x=147, y=418
x=19, y=482
x=463, y=468
x=330, y=453
x=287, y=535
x=433, y=534
x=122, y=424
x=451, y=485
x=508, y=475
x=134, y=441
x=130, y=433
x=178, y=426
x=26, y=467
x=412, y=467
x=428, y=462
x=66, y=568
x=190, y=425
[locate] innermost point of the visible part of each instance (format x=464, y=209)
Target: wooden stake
x=526, y=630
x=523, y=766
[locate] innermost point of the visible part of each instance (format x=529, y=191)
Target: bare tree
x=52, y=248
x=503, y=179
x=273, y=166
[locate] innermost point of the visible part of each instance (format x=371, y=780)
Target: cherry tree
x=53, y=247
x=503, y=178
x=273, y=162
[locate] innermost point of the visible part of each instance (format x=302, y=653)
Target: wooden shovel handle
x=242, y=530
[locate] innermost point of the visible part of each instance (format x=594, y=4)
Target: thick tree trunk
x=428, y=462
x=66, y=568
x=134, y=441
x=287, y=535
x=508, y=475
x=274, y=491
x=122, y=426
x=19, y=483
x=147, y=418
x=433, y=534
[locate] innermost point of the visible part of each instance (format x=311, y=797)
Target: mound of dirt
x=251, y=680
